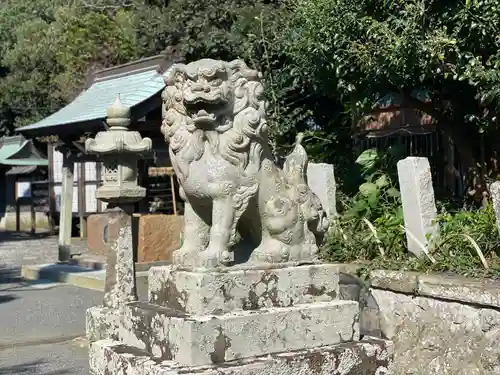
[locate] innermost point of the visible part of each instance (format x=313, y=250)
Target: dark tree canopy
x=323, y=60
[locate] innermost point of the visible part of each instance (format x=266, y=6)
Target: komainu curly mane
x=240, y=123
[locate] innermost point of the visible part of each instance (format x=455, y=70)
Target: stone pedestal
x=246, y=320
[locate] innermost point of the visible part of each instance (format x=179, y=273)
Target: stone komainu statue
x=239, y=205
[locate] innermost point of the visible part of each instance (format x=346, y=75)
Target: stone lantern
x=120, y=149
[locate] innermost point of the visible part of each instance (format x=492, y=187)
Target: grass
x=468, y=244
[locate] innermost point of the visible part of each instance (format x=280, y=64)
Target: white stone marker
x=321, y=180
x=495, y=197
x=419, y=208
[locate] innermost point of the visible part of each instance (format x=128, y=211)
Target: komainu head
x=221, y=100
x=211, y=92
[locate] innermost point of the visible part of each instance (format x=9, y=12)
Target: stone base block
x=102, y=323
x=200, y=340
x=8, y=221
x=100, y=233
x=203, y=292
x=367, y=357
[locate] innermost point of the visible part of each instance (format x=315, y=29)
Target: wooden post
x=52, y=208
x=81, y=201
x=98, y=173
x=18, y=215
x=66, y=214
x=33, y=215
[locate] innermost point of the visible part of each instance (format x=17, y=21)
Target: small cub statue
x=239, y=205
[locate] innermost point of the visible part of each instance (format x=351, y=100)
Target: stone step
x=202, y=340
x=98, y=262
x=75, y=275
x=370, y=356
x=236, y=288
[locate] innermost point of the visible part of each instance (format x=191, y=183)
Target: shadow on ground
x=31, y=368
x=9, y=274
x=7, y=298
x=10, y=236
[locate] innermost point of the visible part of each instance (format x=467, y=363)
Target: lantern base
x=121, y=194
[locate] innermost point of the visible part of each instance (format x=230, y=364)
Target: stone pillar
x=321, y=180
x=66, y=210
x=120, y=285
x=120, y=150
x=495, y=197
x=419, y=208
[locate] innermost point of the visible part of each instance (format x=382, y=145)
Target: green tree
x=364, y=49
x=47, y=49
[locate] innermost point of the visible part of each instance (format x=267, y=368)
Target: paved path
x=39, y=320
x=53, y=359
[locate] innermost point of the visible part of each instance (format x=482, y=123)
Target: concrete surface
x=49, y=359
x=79, y=276
x=40, y=321
x=40, y=318
x=73, y=275
x=30, y=314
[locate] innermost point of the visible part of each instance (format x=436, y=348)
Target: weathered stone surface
x=437, y=337
x=242, y=288
x=368, y=357
x=202, y=340
x=495, y=197
x=350, y=285
x=398, y=281
x=419, y=208
x=102, y=323
x=468, y=290
x=158, y=236
x=321, y=180
x=120, y=149
x=101, y=233
x=120, y=285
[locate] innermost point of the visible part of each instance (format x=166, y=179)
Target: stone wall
x=440, y=324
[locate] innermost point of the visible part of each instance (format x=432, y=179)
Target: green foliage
x=370, y=223
x=47, y=47
x=362, y=50
x=466, y=237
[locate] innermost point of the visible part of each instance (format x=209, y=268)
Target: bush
x=469, y=242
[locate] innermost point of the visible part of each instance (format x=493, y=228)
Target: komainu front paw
x=214, y=256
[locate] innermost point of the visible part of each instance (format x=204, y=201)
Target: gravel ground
x=17, y=249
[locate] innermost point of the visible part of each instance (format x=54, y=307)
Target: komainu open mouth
x=202, y=112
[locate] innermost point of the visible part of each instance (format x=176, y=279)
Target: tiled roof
x=10, y=152
x=91, y=104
